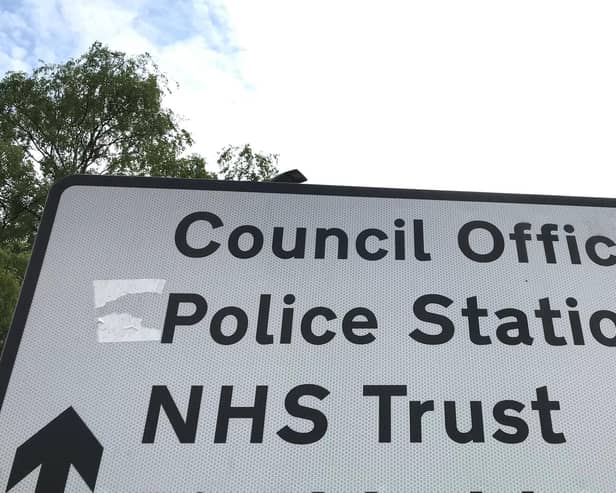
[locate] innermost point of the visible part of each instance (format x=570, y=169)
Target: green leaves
x=12, y=268
x=192, y=166
x=100, y=113
x=242, y=163
x=22, y=195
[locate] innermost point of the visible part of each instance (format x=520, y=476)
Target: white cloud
x=477, y=95
x=461, y=95
x=104, y=20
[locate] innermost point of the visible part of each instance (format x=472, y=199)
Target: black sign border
x=20, y=316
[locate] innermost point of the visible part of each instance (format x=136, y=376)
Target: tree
x=12, y=266
x=242, y=163
x=21, y=198
x=100, y=113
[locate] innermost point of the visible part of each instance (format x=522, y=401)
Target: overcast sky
x=475, y=95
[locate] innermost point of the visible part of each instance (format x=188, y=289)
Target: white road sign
x=195, y=336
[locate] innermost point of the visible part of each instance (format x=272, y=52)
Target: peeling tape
x=112, y=289
x=124, y=327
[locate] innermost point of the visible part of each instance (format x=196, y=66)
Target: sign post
x=198, y=336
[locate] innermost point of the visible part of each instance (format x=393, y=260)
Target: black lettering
x=360, y=244
x=416, y=411
x=350, y=324
x=320, y=243
x=500, y=415
x=498, y=242
x=399, y=240
x=418, y=241
x=384, y=393
x=548, y=238
x=299, y=248
x=263, y=337
x=227, y=412
x=595, y=327
x=475, y=434
x=544, y=406
x=591, y=250
x=234, y=241
x=173, y=319
x=516, y=331
x=306, y=325
x=574, y=251
x=239, y=331
x=472, y=312
x=447, y=327
x=547, y=316
x=286, y=327
x=295, y=409
x=185, y=430
x=575, y=323
x=181, y=233
x=520, y=236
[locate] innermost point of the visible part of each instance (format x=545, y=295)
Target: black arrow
x=64, y=442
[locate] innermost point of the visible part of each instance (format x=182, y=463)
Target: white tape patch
x=112, y=289
x=124, y=327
